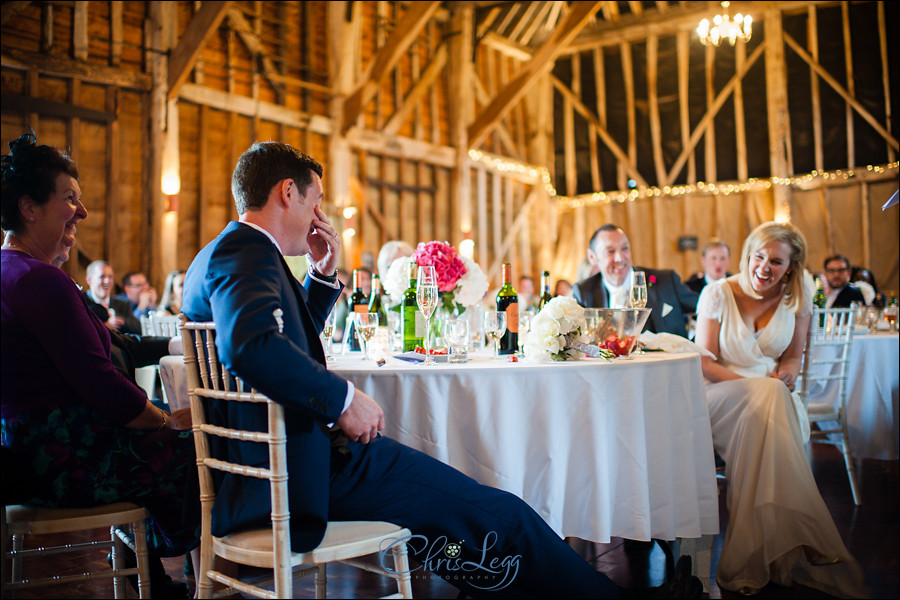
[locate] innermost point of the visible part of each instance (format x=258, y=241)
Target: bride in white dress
x=755, y=323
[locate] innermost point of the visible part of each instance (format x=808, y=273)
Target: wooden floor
x=870, y=531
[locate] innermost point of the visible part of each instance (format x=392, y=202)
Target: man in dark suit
x=714, y=258
x=669, y=298
x=341, y=468
x=840, y=291
x=117, y=314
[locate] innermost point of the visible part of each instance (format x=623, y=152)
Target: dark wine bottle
x=358, y=303
x=412, y=321
x=508, y=301
x=545, y=289
x=376, y=304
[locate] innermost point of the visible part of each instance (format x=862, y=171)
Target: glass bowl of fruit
x=617, y=329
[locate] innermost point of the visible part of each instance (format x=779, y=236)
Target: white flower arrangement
x=396, y=280
x=546, y=339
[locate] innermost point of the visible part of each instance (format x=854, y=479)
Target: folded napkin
x=672, y=343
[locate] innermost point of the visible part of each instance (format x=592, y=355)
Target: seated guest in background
x=116, y=314
x=714, y=258
x=390, y=252
x=346, y=472
x=838, y=289
x=85, y=433
x=563, y=288
x=138, y=292
x=525, y=290
x=170, y=302
x=610, y=251
x=865, y=281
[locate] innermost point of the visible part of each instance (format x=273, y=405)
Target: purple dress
x=64, y=407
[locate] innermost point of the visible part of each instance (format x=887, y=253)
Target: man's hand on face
x=324, y=245
x=362, y=420
x=147, y=299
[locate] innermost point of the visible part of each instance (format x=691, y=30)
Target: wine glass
x=591, y=321
x=890, y=315
x=872, y=316
x=458, y=338
x=638, y=293
x=494, y=327
x=524, y=327
x=328, y=333
x=427, y=299
x=365, y=329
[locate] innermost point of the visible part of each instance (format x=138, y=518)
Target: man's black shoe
x=683, y=585
x=161, y=585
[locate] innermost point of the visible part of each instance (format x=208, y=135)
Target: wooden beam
x=198, y=32
x=409, y=27
x=115, y=33
x=542, y=61
x=812, y=41
x=80, y=31
x=401, y=147
x=628, y=164
x=683, y=42
x=851, y=87
x=459, y=117
x=866, y=115
x=740, y=131
x=777, y=105
x=655, y=126
x=483, y=99
x=11, y=9
x=41, y=106
x=251, y=41
x=709, y=155
x=424, y=82
x=885, y=77
x=47, y=27
x=708, y=117
x=57, y=66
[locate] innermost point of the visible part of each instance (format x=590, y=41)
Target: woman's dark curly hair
x=29, y=170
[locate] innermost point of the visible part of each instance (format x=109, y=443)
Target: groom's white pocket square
x=667, y=308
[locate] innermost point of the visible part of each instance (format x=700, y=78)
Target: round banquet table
x=598, y=449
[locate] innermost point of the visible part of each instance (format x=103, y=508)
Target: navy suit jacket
x=663, y=287
x=849, y=294
x=238, y=281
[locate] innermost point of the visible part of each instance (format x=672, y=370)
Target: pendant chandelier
x=724, y=27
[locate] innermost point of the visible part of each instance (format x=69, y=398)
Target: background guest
x=390, y=252
x=838, y=289
x=610, y=252
x=170, y=302
x=865, y=281
x=525, y=290
x=116, y=314
x=138, y=292
x=563, y=288
x=85, y=433
x=714, y=259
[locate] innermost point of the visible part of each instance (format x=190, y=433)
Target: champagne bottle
x=358, y=303
x=376, y=304
x=545, y=289
x=412, y=321
x=508, y=301
x=819, y=299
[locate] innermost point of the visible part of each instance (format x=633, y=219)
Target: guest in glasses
x=755, y=324
x=85, y=433
x=139, y=293
x=267, y=332
x=839, y=291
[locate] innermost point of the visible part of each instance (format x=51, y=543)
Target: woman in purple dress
x=85, y=433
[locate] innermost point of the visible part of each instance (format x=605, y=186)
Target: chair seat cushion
x=821, y=410
x=22, y=518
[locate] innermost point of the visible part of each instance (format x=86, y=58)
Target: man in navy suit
x=714, y=258
x=340, y=467
x=670, y=299
x=840, y=291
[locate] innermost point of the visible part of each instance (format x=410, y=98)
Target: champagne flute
x=638, y=293
x=365, y=329
x=494, y=327
x=328, y=332
x=524, y=327
x=427, y=299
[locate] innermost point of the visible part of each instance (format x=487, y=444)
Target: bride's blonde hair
x=777, y=232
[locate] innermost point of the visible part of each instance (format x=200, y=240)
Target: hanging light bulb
x=724, y=27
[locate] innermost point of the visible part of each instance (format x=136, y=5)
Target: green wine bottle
x=376, y=304
x=358, y=303
x=545, y=289
x=819, y=299
x=412, y=321
x=508, y=301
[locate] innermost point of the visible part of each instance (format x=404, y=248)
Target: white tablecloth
x=872, y=396
x=597, y=449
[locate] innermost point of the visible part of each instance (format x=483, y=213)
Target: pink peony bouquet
x=446, y=262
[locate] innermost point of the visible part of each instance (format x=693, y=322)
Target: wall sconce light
x=467, y=248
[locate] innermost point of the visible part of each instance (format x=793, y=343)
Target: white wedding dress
x=759, y=429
